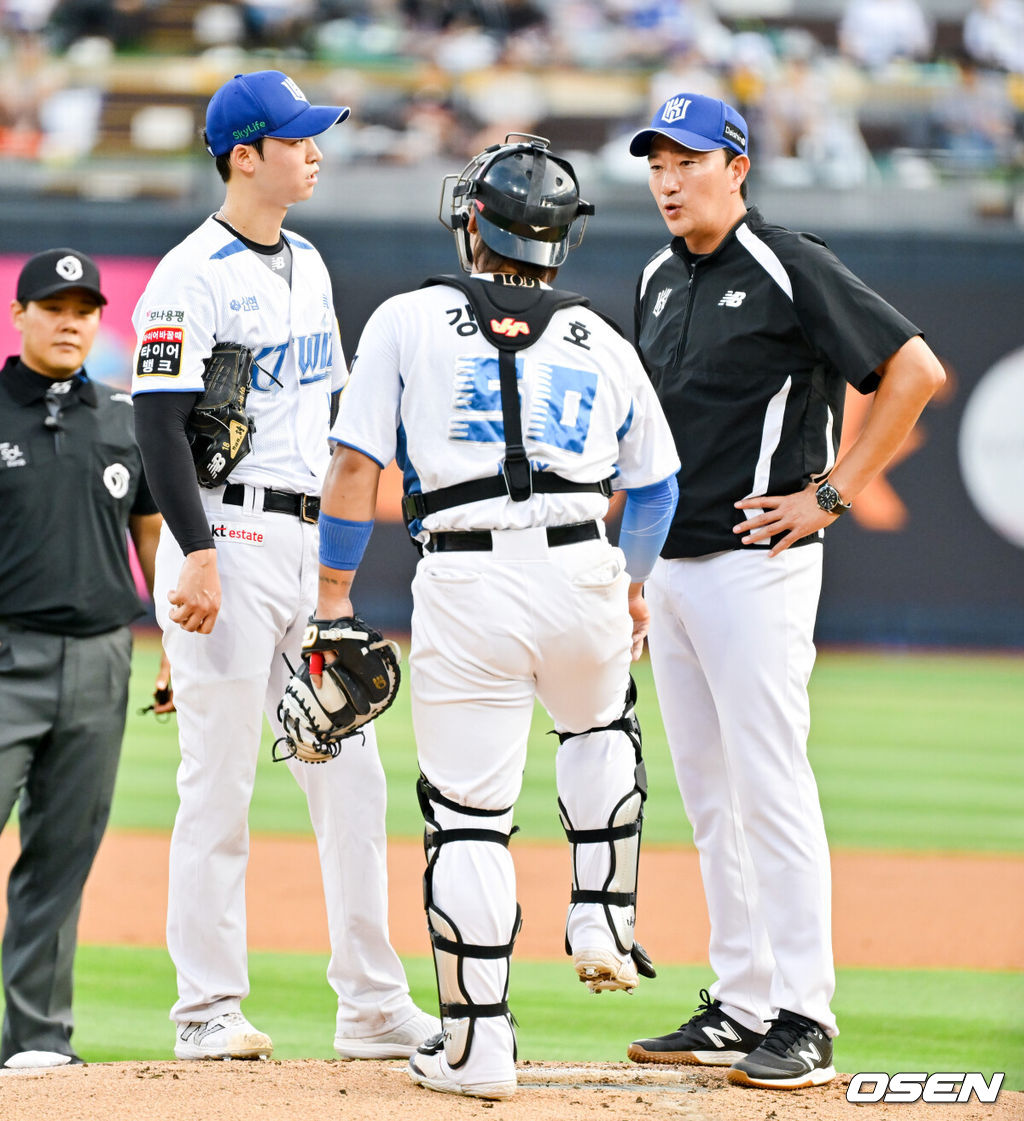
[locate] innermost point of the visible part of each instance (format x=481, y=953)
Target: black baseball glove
x=359, y=683
x=219, y=429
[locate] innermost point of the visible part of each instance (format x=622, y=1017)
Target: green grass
x=912, y=751
x=926, y=1020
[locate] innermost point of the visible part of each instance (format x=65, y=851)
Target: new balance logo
x=732, y=299
x=812, y=1056
x=660, y=302
x=510, y=327
x=718, y=1036
x=197, y=1032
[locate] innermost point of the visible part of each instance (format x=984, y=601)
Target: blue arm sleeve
x=645, y=525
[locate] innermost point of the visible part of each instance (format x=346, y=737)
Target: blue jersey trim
x=411, y=483
x=355, y=448
x=627, y=424
x=229, y=250
x=164, y=389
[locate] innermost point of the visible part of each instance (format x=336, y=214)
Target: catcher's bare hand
x=795, y=515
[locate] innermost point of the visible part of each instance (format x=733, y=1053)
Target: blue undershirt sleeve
x=645, y=525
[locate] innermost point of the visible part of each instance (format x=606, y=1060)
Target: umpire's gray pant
x=63, y=703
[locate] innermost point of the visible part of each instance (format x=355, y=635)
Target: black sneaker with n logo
x=709, y=1037
x=795, y=1053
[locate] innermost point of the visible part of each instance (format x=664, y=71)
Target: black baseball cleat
x=795, y=1053
x=709, y=1037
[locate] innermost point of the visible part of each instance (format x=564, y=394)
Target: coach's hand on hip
x=195, y=602
x=799, y=513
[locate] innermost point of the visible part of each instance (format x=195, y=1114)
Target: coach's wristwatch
x=830, y=500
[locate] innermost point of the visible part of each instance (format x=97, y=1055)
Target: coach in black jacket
x=750, y=333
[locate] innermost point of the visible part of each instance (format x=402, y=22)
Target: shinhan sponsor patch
x=225, y=531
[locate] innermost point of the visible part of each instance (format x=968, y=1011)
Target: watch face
x=828, y=497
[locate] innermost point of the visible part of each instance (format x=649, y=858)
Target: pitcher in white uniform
x=513, y=410
x=236, y=580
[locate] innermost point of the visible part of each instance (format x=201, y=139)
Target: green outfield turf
x=927, y=1020
x=912, y=751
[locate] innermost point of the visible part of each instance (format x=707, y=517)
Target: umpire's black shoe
x=709, y=1037
x=795, y=1053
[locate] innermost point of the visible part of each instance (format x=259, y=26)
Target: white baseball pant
x=732, y=649
x=492, y=631
x=224, y=682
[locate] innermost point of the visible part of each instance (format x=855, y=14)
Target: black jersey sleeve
x=847, y=322
x=160, y=420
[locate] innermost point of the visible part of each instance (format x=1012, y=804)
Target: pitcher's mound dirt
x=310, y=1090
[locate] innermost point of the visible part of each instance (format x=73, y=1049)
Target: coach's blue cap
x=266, y=103
x=697, y=122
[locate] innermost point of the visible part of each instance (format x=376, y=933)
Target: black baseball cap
x=58, y=270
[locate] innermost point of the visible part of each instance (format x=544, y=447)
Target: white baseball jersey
x=424, y=390
x=211, y=288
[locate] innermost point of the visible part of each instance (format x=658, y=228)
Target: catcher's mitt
x=358, y=685
x=219, y=429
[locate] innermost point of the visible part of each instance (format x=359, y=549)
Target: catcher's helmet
x=526, y=201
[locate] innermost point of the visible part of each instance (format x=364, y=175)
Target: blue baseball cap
x=697, y=122
x=265, y=103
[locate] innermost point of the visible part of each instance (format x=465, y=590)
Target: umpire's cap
x=58, y=270
x=265, y=103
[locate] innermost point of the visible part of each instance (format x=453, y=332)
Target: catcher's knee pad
x=616, y=894
x=459, y=1009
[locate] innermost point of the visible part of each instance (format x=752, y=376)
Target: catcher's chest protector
x=512, y=311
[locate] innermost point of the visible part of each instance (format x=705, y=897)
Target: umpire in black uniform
x=71, y=484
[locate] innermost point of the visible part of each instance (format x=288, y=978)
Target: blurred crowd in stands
x=878, y=87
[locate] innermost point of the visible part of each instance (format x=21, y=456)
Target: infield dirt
x=883, y=914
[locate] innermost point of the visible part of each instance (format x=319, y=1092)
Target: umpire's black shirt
x=70, y=477
x=749, y=349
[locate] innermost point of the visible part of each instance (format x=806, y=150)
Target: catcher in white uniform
x=513, y=410
x=236, y=578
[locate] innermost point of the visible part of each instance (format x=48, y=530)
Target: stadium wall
x=935, y=552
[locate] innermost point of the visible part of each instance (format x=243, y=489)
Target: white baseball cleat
x=603, y=971
x=399, y=1043
x=428, y=1068
x=227, y=1036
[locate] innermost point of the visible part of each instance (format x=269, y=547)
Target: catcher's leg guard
x=467, y=989
x=613, y=754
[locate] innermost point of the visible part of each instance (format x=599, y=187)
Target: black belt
x=303, y=506
x=480, y=540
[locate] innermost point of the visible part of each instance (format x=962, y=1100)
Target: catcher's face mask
x=526, y=203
